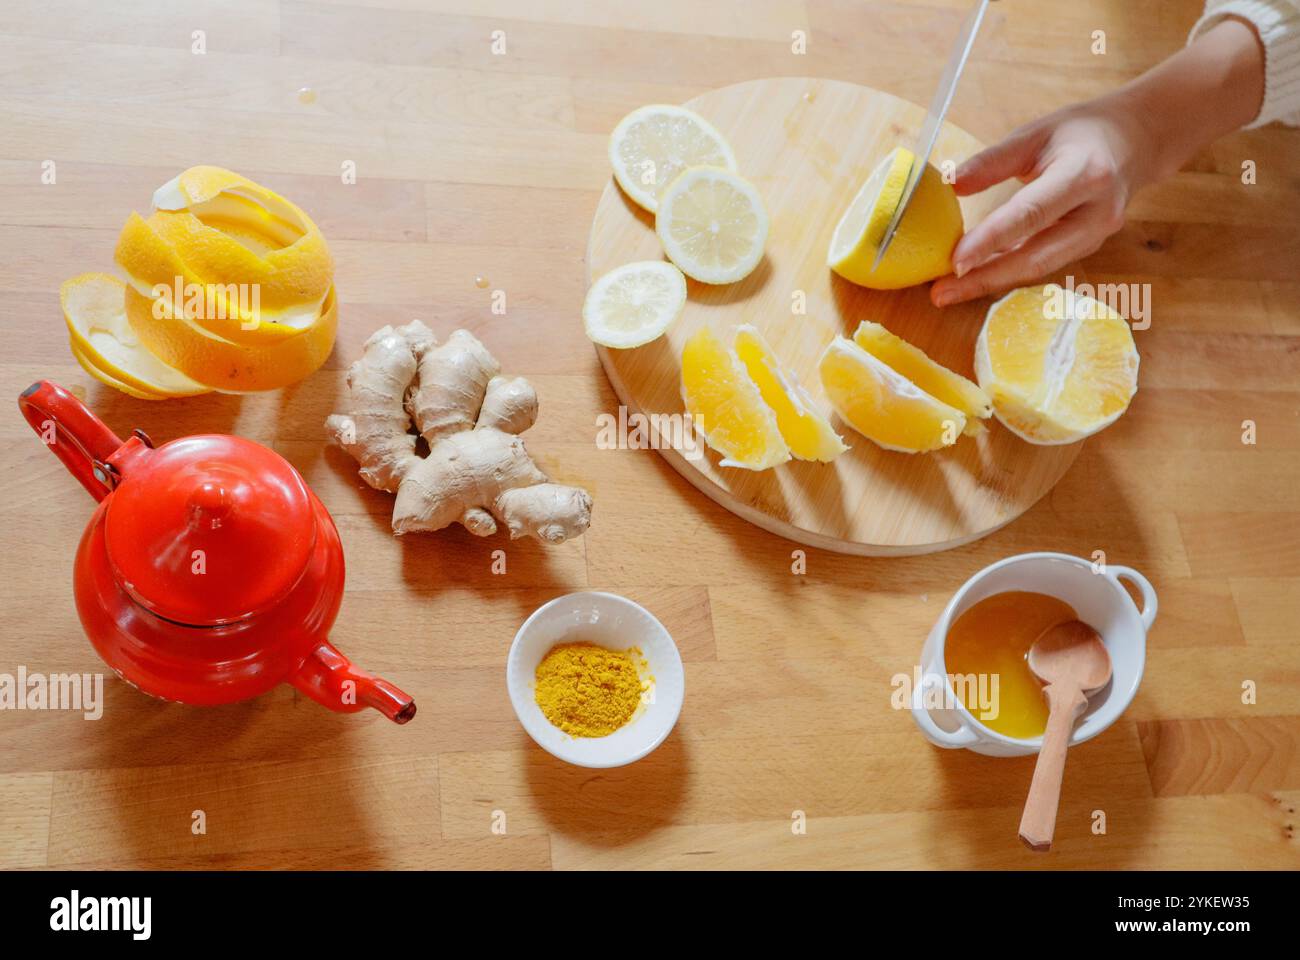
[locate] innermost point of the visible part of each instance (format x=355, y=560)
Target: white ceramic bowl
x=610, y=621
x=1100, y=600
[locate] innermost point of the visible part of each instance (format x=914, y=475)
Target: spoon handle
x=1038, y=822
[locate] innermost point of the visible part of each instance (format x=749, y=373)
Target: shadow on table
x=1105, y=786
x=607, y=808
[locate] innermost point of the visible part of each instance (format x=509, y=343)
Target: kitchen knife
x=934, y=120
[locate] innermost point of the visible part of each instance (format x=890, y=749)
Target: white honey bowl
x=1100, y=600
x=617, y=623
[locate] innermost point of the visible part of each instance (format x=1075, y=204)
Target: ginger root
x=477, y=470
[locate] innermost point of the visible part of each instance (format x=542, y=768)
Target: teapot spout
x=331, y=680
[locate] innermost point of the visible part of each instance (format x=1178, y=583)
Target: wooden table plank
x=474, y=164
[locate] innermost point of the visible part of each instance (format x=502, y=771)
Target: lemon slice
x=653, y=144
x=104, y=343
x=1058, y=366
x=803, y=427
x=727, y=407
x=923, y=243
x=934, y=378
x=633, y=304
x=883, y=405
x=712, y=224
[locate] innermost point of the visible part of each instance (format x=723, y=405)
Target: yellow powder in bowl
x=587, y=690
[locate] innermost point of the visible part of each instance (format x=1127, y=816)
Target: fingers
x=1013, y=157
x=1033, y=208
x=1071, y=238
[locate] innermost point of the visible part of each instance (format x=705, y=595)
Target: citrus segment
x=727, y=407
x=804, y=428
x=882, y=404
x=934, y=378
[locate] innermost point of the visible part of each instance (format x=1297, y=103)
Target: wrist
x=1209, y=89
x=1158, y=147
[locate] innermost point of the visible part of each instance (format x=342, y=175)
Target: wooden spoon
x=1073, y=663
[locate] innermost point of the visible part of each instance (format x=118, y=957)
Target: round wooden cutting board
x=808, y=145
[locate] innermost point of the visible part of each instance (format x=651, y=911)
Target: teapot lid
x=209, y=529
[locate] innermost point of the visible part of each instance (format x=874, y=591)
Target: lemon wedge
x=633, y=304
x=805, y=430
x=934, y=378
x=655, y=143
x=727, y=407
x=923, y=243
x=1059, y=366
x=107, y=348
x=882, y=404
x=712, y=224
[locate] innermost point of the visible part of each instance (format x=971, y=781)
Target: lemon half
x=923, y=243
x=1058, y=366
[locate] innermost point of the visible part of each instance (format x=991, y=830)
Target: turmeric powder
x=587, y=690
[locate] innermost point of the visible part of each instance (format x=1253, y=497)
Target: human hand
x=1080, y=166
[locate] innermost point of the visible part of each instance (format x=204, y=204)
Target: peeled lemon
x=934, y=378
x=107, y=348
x=655, y=143
x=804, y=428
x=727, y=406
x=923, y=243
x=1058, y=366
x=633, y=304
x=883, y=405
x=712, y=224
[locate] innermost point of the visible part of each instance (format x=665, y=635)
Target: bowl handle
x=1149, y=604
x=964, y=736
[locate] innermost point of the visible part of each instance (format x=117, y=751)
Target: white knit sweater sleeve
x=1278, y=25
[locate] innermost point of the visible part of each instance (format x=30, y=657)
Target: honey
x=987, y=649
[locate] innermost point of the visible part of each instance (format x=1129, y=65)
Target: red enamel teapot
x=210, y=572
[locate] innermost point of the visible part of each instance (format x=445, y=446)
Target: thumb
x=1013, y=157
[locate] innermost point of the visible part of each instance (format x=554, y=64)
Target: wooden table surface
x=471, y=163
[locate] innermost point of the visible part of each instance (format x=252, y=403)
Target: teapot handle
x=80, y=439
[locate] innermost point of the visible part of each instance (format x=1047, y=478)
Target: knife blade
x=934, y=120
